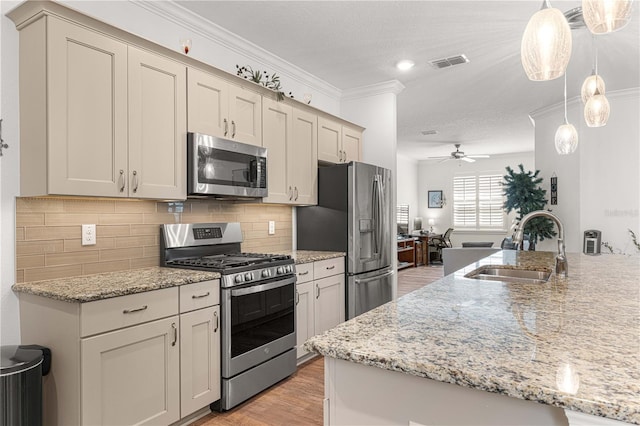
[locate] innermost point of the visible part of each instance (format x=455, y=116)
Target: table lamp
x=431, y=223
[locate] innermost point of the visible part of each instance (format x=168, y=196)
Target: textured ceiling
x=483, y=104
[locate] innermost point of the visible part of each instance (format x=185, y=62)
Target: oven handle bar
x=263, y=287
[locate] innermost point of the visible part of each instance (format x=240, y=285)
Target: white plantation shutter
x=464, y=201
x=477, y=202
x=490, y=213
x=402, y=217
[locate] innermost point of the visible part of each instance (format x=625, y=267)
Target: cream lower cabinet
x=338, y=143
x=219, y=108
x=144, y=358
x=99, y=117
x=131, y=376
x=199, y=346
x=320, y=299
x=290, y=136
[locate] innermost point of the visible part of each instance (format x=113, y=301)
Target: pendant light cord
x=565, y=99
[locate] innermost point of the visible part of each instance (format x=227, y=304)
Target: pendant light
x=606, y=16
x=566, y=138
x=597, y=109
x=594, y=81
x=546, y=44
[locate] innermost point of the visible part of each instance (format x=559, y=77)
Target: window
x=402, y=218
x=477, y=202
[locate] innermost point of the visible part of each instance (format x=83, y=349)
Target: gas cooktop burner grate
x=230, y=260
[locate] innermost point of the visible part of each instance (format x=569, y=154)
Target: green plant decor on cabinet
x=523, y=194
x=263, y=78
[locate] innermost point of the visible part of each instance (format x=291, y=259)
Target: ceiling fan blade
x=444, y=159
x=468, y=160
x=478, y=156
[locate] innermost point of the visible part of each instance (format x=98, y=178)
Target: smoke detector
x=449, y=62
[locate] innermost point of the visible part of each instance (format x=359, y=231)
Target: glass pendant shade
x=597, y=110
x=566, y=139
x=606, y=16
x=590, y=85
x=546, y=44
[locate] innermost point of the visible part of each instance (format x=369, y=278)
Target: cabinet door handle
x=122, y=180
x=200, y=296
x=215, y=315
x=226, y=126
x=290, y=194
x=297, y=297
x=303, y=273
x=317, y=291
x=296, y=192
x=233, y=129
x=331, y=267
x=135, y=181
x=175, y=333
x=130, y=311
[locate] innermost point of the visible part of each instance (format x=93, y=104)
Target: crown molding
x=614, y=94
x=179, y=15
x=391, y=86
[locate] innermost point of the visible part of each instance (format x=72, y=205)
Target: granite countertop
x=308, y=256
x=572, y=343
x=87, y=288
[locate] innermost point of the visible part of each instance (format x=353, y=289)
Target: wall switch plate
x=272, y=227
x=88, y=235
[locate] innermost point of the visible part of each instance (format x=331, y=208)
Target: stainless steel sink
x=496, y=273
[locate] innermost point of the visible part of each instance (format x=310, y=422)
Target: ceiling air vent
x=449, y=62
x=429, y=132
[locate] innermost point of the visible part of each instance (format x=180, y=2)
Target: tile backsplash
x=48, y=232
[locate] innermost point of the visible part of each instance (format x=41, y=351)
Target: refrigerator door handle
x=379, y=213
x=376, y=217
x=377, y=277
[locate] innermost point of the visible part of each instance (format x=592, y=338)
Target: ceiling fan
x=459, y=155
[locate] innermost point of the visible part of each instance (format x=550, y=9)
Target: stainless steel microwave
x=224, y=168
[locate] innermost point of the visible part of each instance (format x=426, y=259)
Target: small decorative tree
x=523, y=194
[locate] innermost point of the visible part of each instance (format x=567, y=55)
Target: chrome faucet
x=562, y=267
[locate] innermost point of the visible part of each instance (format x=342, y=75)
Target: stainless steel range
x=257, y=302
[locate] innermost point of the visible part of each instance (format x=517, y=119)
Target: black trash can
x=21, y=371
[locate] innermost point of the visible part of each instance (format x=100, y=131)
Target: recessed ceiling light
x=405, y=65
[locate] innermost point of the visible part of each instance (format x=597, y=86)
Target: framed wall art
x=435, y=199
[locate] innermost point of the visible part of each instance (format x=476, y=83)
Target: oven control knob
x=248, y=276
x=238, y=278
x=289, y=268
x=266, y=273
x=280, y=270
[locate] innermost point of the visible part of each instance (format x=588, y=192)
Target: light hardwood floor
x=297, y=400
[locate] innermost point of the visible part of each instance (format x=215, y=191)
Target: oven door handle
x=263, y=287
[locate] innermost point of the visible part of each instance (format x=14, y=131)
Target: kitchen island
x=466, y=351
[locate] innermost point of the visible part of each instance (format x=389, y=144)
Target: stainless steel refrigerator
x=353, y=215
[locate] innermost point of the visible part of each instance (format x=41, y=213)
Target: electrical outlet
x=272, y=227
x=88, y=235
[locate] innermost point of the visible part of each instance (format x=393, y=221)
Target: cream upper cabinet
x=329, y=141
x=338, y=143
x=290, y=137
x=351, y=144
x=99, y=118
x=157, y=126
x=222, y=109
x=73, y=99
x=303, y=151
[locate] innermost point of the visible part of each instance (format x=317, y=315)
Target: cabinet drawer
x=304, y=272
x=199, y=295
x=326, y=268
x=118, y=312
